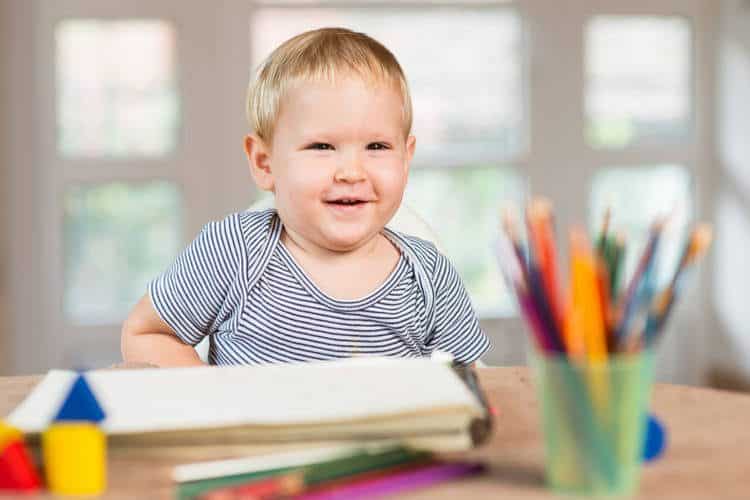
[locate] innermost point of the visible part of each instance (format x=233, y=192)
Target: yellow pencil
x=588, y=315
x=586, y=298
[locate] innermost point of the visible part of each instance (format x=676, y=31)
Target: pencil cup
x=593, y=419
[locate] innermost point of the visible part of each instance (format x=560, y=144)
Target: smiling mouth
x=345, y=202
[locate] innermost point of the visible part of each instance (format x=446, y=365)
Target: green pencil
x=313, y=474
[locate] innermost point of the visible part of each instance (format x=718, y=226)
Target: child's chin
x=348, y=242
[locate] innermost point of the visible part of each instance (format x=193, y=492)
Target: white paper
x=192, y=398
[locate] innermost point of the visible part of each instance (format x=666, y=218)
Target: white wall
x=18, y=334
x=731, y=290
x=4, y=193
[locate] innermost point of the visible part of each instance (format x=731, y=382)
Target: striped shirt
x=238, y=283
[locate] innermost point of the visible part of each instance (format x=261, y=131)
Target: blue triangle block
x=81, y=404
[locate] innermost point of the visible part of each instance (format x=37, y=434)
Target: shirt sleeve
x=456, y=328
x=192, y=294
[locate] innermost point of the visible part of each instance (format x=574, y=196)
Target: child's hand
x=131, y=365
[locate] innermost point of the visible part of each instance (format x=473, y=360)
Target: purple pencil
x=398, y=482
x=538, y=330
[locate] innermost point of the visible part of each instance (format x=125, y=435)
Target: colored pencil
x=265, y=489
x=509, y=260
x=594, y=317
x=538, y=291
x=543, y=339
x=510, y=228
x=697, y=246
x=516, y=274
x=632, y=299
x=615, y=273
x=605, y=301
x=586, y=298
x=314, y=473
x=543, y=310
x=542, y=240
x=399, y=482
x=329, y=486
x=602, y=239
x=587, y=308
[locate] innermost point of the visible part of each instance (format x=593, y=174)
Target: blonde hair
x=321, y=55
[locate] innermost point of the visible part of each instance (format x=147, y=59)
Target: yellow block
x=8, y=434
x=75, y=458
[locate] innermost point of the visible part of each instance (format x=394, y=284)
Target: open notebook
x=420, y=401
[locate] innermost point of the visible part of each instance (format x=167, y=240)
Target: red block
x=17, y=471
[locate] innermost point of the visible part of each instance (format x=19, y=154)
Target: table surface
x=707, y=456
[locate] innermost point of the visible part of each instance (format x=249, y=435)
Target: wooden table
x=708, y=455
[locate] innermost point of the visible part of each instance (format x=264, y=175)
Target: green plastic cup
x=593, y=419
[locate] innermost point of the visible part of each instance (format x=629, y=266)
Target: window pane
x=637, y=80
x=118, y=236
x=466, y=84
x=116, y=90
x=462, y=206
x=637, y=196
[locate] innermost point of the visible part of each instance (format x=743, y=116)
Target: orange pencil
x=542, y=237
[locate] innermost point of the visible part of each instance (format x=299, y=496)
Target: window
x=118, y=236
x=116, y=103
x=637, y=80
x=116, y=89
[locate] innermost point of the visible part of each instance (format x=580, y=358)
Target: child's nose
x=350, y=169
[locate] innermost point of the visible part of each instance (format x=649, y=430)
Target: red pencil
x=264, y=489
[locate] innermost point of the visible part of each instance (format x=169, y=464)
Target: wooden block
x=8, y=434
x=17, y=471
x=80, y=404
x=75, y=458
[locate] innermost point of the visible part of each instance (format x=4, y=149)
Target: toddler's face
x=339, y=161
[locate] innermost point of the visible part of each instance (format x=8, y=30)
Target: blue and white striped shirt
x=238, y=283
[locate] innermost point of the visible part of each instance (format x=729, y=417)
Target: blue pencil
x=635, y=292
x=696, y=247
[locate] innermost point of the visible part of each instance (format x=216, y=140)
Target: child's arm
x=146, y=338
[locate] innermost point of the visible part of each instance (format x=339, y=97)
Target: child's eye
x=378, y=146
x=322, y=146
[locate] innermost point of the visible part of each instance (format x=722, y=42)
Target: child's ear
x=259, y=160
x=411, y=145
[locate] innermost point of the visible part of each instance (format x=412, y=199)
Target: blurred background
x=122, y=127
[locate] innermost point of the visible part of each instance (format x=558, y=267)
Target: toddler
x=320, y=276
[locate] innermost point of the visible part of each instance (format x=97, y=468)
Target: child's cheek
x=394, y=172
x=311, y=171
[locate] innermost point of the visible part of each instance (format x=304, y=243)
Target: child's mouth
x=347, y=205
x=347, y=202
